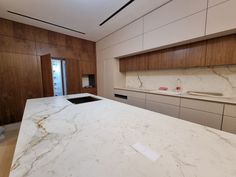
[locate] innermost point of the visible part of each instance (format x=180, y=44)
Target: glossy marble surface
x=220, y=79
x=61, y=139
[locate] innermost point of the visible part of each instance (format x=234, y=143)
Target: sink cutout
x=81, y=100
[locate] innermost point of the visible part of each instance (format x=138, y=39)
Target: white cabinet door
x=130, y=31
x=201, y=117
x=164, y=99
x=128, y=47
x=171, y=12
x=229, y=124
x=167, y=109
x=186, y=29
x=221, y=17
x=230, y=110
x=139, y=102
x=200, y=105
x=215, y=2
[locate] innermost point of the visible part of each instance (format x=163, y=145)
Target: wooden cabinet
x=221, y=51
x=196, y=55
x=134, y=63
x=87, y=67
x=221, y=17
x=212, y=52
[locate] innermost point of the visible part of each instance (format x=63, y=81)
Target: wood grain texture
x=47, y=80
x=221, y=51
x=20, y=66
x=212, y=52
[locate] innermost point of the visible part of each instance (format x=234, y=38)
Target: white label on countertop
x=146, y=151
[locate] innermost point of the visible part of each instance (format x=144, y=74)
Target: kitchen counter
x=61, y=139
x=217, y=99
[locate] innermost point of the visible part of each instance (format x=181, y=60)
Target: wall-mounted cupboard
x=212, y=52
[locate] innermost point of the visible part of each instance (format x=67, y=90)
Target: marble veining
x=215, y=79
x=61, y=139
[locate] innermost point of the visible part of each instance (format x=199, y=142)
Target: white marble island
x=61, y=139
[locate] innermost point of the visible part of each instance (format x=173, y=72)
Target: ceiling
x=80, y=15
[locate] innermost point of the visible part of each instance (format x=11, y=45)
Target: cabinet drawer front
x=120, y=100
x=201, y=117
x=121, y=92
x=163, y=99
x=230, y=110
x=229, y=124
x=137, y=102
x=203, y=105
x=137, y=95
x=162, y=108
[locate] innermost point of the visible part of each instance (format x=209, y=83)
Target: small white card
x=146, y=151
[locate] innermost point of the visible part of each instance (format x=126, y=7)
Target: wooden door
x=47, y=79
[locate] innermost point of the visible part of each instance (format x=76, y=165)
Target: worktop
x=61, y=139
x=218, y=99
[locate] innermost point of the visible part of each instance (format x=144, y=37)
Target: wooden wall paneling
x=196, y=54
x=47, y=79
x=178, y=59
x=23, y=31
x=154, y=59
x=15, y=45
x=122, y=65
x=87, y=67
x=6, y=27
x=56, y=38
x=73, y=76
x=9, y=78
x=41, y=35
x=131, y=64
x=221, y=51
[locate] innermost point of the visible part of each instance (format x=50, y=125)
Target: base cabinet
x=167, y=109
x=201, y=117
x=139, y=102
x=229, y=124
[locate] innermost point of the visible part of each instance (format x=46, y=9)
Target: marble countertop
x=61, y=139
x=227, y=100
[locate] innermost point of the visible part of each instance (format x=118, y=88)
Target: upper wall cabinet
x=171, y=12
x=182, y=30
x=128, y=32
x=221, y=17
x=221, y=51
x=215, y=2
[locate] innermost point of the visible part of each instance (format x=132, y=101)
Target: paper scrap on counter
x=146, y=151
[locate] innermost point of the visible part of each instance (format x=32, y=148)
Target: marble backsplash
x=216, y=79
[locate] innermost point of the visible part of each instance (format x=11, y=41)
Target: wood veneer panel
x=87, y=67
x=6, y=27
x=122, y=63
x=73, y=76
x=21, y=80
x=154, y=59
x=15, y=45
x=221, y=51
x=47, y=80
x=196, y=54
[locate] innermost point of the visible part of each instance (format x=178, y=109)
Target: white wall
x=180, y=21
